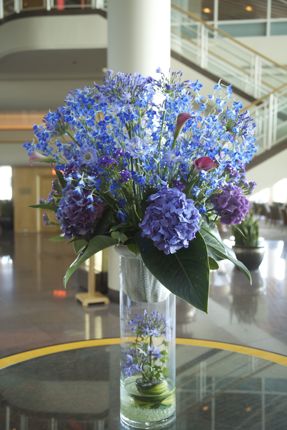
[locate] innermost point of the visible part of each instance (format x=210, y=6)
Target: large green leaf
x=94, y=245
x=185, y=273
x=217, y=250
x=79, y=245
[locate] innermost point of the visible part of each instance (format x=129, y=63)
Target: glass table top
x=76, y=387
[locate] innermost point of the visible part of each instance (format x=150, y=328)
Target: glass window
x=247, y=9
x=6, y=182
x=279, y=9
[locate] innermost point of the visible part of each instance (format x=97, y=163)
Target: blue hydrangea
x=171, y=220
x=231, y=205
x=78, y=212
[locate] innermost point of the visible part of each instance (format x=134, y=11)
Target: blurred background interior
x=48, y=47
x=39, y=63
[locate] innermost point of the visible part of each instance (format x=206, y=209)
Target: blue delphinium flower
x=171, y=220
x=231, y=205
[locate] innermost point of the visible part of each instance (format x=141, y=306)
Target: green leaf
x=133, y=247
x=120, y=237
x=185, y=273
x=58, y=238
x=212, y=264
x=79, y=244
x=94, y=245
x=104, y=224
x=61, y=179
x=217, y=250
x=48, y=206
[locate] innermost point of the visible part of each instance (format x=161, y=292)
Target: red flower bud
x=182, y=117
x=205, y=163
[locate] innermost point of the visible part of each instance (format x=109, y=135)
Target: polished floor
x=36, y=312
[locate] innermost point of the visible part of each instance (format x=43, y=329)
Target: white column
x=139, y=35
x=138, y=41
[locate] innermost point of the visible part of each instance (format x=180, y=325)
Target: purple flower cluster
x=171, y=220
x=78, y=212
x=231, y=205
x=152, y=324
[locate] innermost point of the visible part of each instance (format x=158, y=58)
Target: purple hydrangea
x=171, y=220
x=231, y=205
x=78, y=212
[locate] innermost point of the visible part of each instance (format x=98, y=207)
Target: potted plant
x=248, y=247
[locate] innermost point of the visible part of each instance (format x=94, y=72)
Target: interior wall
x=29, y=185
x=273, y=47
x=269, y=172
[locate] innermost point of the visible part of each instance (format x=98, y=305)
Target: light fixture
x=205, y=408
x=206, y=10
x=248, y=8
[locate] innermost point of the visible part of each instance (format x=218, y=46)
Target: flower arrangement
x=146, y=360
x=150, y=163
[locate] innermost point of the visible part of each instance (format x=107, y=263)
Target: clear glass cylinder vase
x=147, y=314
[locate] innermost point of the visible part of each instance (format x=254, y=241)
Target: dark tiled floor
x=32, y=267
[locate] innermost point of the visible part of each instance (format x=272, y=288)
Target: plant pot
x=251, y=257
x=147, y=314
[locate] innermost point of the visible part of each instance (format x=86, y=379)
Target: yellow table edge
x=48, y=350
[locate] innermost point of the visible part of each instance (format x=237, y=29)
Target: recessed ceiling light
x=206, y=10
x=249, y=8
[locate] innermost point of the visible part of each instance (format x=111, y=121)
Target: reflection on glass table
x=76, y=387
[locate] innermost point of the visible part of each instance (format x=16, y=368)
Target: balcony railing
x=270, y=113
x=216, y=51
x=11, y=7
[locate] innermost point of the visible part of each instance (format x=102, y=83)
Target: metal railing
x=219, y=53
x=270, y=114
x=11, y=7
x=216, y=51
